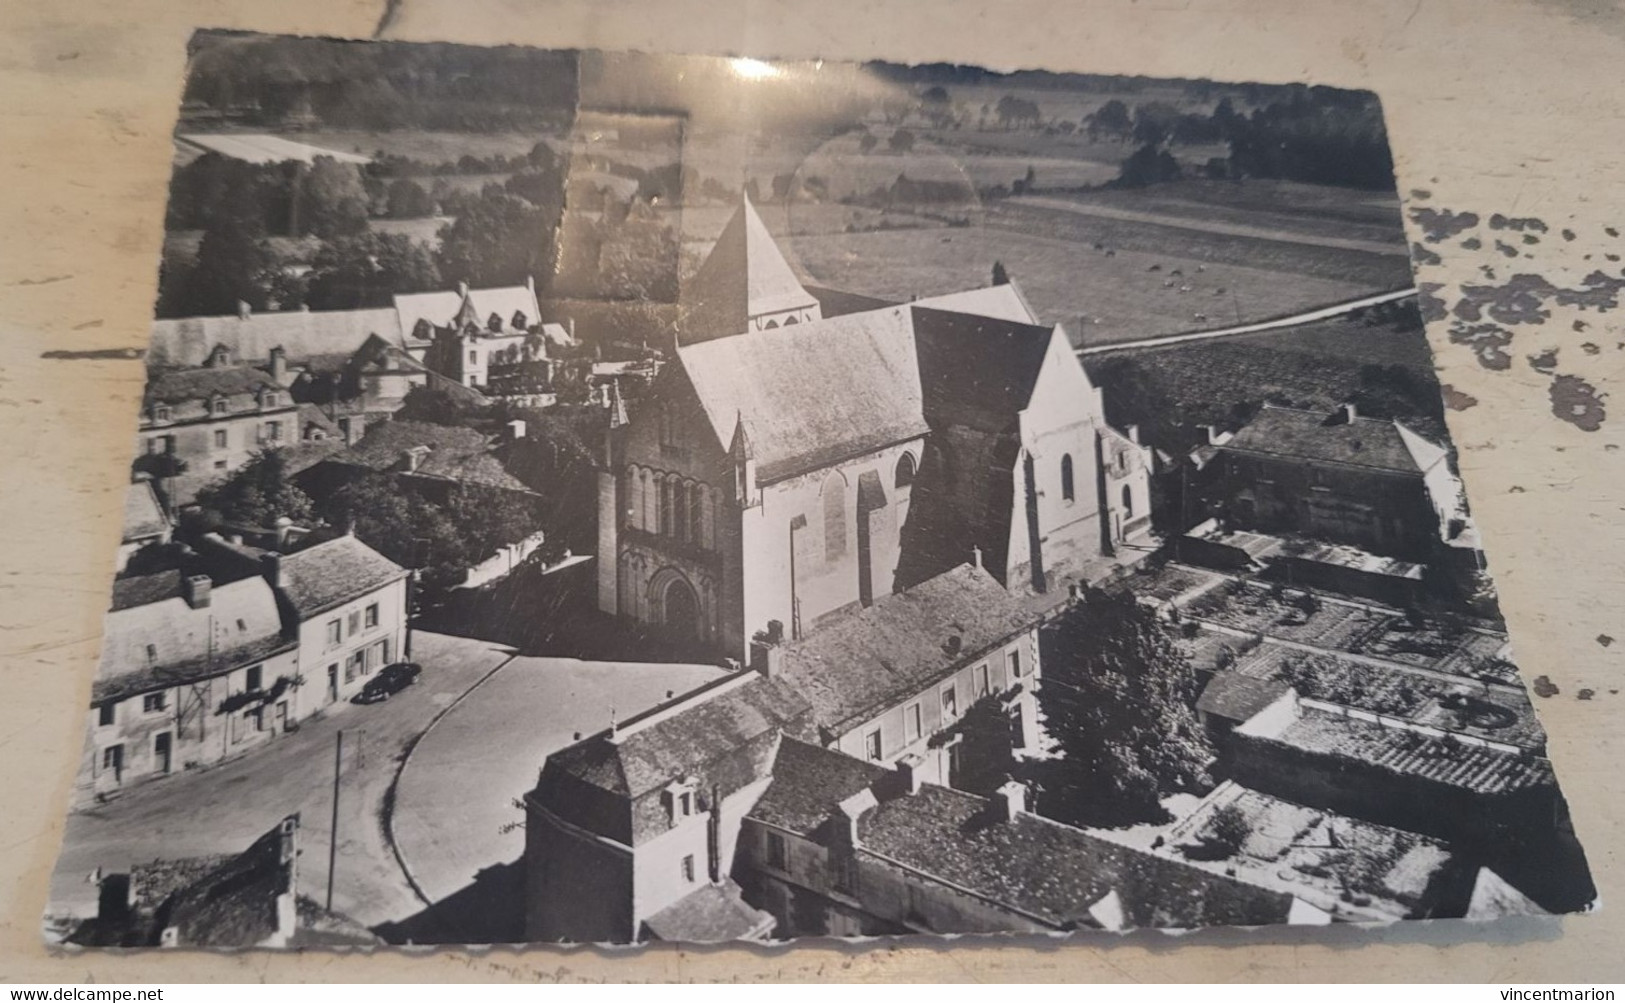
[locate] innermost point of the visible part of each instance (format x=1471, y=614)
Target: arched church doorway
x=681, y=609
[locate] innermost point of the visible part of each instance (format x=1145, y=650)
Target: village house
x=249, y=899
x=210, y=653
x=1345, y=478
x=145, y=521
x=719, y=816
x=887, y=680
x=788, y=465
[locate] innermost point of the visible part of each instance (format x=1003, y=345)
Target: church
x=808, y=452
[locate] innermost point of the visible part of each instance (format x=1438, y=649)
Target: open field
x=1292, y=207
x=432, y=147
x=1123, y=296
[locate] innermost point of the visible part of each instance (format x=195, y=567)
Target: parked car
x=388, y=682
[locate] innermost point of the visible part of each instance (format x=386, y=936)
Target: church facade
x=793, y=465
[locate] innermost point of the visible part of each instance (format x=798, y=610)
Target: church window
x=791, y=320
x=1128, y=501
x=770, y=325
x=696, y=515
x=905, y=470
x=679, y=505
x=834, y=518
x=1068, y=488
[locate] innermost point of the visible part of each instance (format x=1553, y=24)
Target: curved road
x=1260, y=327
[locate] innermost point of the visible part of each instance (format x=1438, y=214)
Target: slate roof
x=438, y=308
x=835, y=302
x=235, y=903
x=1054, y=872
x=808, y=782
x=1001, y=302
x=743, y=275
x=143, y=516
x=978, y=371
x=455, y=453
x=198, y=383
x=1237, y=697
x=813, y=394
x=186, y=341
x=1473, y=768
x=1378, y=444
x=710, y=914
x=721, y=739
x=332, y=573
x=866, y=661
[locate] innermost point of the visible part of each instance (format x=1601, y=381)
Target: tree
x=1014, y=112
x=901, y=141
x=406, y=199
x=234, y=265
x=1110, y=119
x=1147, y=166
x=368, y=270
x=498, y=239
x=1000, y=276
x=330, y=200
x=400, y=525
x=1118, y=701
x=259, y=493
x=489, y=518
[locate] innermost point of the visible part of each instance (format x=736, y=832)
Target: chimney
x=244, y=311
x=1212, y=434
x=1009, y=801
x=767, y=650
x=572, y=322
x=279, y=364
x=271, y=567
x=516, y=430
x=462, y=290
x=284, y=530
x=1347, y=413
x=911, y=772
x=976, y=555
x=1133, y=432
x=412, y=459
x=530, y=284
x=195, y=589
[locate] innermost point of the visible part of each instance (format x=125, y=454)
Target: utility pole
x=333, y=834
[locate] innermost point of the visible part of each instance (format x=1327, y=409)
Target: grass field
x=1102, y=298
x=432, y=147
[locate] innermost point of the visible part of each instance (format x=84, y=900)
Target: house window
x=1068, y=490
x=152, y=653
x=688, y=869
x=372, y=616
x=355, y=623
x=843, y=874
x=153, y=445
x=358, y=661
x=152, y=703
x=913, y=721
x=983, y=683
x=219, y=407
x=834, y=518
x=473, y=358
x=335, y=633
x=220, y=439
x=273, y=431
x=950, y=703
x=905, y=471
x=160, y=413
x=255, y=719
x=113, y=758
x=871, y=745
x=253, y=678
x=685, y=803
x=104, y=714
x=778, y=856
x=1128, y=501
x=219, y=464
x=1014, y=659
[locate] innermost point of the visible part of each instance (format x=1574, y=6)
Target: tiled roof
x=328, y=574
x=808, y=782
x=143, y=516
x=1238, y=697
x=861, y=663
x=743, y=275
x=1054, y=872
x=455, y=452
x=812, y=394
x=1452, y=763
x=1379, y=444
x=202, y=382
x=235, y=904
x=710, y=914
x=186, y=341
